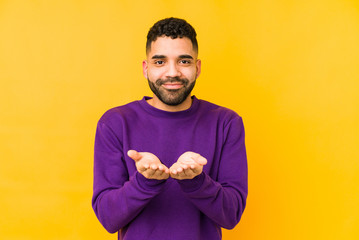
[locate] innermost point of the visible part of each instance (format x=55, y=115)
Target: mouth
x=172, y=85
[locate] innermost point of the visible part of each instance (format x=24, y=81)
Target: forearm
x=119, y=195
x=222, y=203
x=116, y=207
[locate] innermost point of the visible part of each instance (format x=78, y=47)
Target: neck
x=157, y=103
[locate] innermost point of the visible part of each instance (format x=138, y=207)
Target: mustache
x=159, y=82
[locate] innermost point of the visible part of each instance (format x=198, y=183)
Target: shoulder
x=223, y=113
x=227, y=120
x=119, y=113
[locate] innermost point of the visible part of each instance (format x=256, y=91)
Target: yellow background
x=289, y=68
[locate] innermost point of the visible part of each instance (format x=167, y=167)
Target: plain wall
x=289, y=68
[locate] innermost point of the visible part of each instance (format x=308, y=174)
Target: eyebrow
x=163, y=56
x=186, y=56
x=158, y=56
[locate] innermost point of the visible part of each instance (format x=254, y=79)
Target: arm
x=224, y=200
x=118, y=198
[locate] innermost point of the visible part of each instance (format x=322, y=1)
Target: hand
x=188, y=166
x=149, y=165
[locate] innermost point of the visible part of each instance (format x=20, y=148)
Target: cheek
x=154, y=73
x=190, y=73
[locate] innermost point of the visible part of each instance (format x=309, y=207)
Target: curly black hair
x=174, y=28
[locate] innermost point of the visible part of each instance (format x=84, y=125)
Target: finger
x=165, y=175
x=176, y=168
x=149, y=172
x=188, y=172
x=184, y=175
x=156, y=174
x=134, y=155
x=154, y=166
x=163, y=168
x=142, y=167
x=197, y=170
x=160, y=175
x=184, y=166
x=175, y=176
x=173, y=168
x=200, y=160
x=165, y=171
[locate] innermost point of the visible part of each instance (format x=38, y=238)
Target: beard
x=172, y=97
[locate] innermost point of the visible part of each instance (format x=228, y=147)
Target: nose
x=173, y=70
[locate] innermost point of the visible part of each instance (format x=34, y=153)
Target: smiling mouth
x=173, y=85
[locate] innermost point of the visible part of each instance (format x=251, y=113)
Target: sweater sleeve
x=117, y=197
x=223, y=200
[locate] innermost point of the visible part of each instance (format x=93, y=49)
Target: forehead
x=171, y=47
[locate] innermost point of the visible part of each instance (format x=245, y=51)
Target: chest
x=170, y=139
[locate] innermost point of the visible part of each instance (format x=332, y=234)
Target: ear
x=198, y=66
x=144, y=68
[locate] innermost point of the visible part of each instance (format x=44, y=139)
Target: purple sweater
x=139, y=208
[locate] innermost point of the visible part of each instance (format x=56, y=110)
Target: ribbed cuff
x=191, y=185
x=149, y=183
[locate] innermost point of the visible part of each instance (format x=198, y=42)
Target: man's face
x=171, y=69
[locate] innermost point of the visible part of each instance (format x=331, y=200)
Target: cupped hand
x=149, y=165
x=188, y=166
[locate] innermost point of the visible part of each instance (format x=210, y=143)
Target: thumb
x=200, y=160
x=134, y=155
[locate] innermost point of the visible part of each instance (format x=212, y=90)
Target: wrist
x=148, y=183
x=190, y=185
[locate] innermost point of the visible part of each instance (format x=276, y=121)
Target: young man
x=171, y=166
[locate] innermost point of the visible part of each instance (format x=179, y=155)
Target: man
x=171, y=166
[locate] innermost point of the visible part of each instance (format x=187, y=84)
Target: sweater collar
x=161, y=113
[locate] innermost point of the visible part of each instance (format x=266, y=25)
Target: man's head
x=172, y=66
x=173, y=28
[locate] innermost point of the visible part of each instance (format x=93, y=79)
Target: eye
x=159, y=62
x=183, y=61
